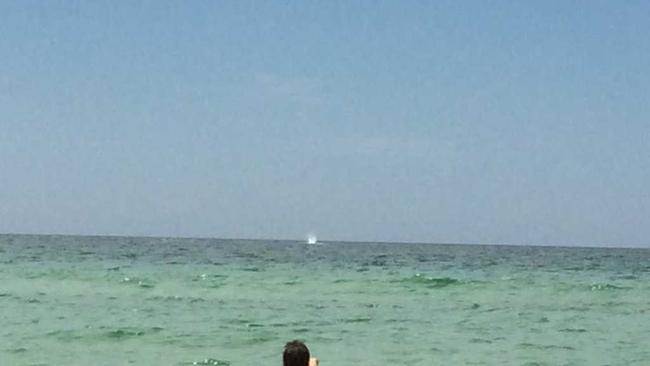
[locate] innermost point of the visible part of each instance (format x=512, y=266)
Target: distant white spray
x=311, y=238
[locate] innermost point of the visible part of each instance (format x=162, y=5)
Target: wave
x=125, y=333
x=139, y=282
x=430, y=282
x=122, y=333
x=546, y=347
x=174, y=298
x=206, y=362
x=607, y=286
x=573, y=330
x=17, y=350
x=356, y=320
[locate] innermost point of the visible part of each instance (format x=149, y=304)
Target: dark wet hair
x=295, y=354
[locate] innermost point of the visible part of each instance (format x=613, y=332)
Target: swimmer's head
x=295, y=354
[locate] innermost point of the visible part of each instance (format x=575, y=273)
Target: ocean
x=81, y=300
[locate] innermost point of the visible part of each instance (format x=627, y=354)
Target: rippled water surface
x=152, y=301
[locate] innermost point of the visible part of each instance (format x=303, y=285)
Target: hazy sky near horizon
x=446, y=121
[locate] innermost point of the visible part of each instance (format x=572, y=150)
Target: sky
x=512, y=122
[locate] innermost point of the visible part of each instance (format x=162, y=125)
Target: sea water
x=72, y=300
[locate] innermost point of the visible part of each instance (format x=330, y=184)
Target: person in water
x=297, y=354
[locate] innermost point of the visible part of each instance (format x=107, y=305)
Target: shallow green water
x=144, y=301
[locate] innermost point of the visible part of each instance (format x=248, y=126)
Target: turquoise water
x=151, y=301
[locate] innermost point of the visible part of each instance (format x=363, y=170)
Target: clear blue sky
x=446, y=121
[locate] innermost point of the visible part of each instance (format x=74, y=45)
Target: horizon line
x=603, y=246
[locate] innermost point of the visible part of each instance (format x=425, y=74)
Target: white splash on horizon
x=311, y=239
